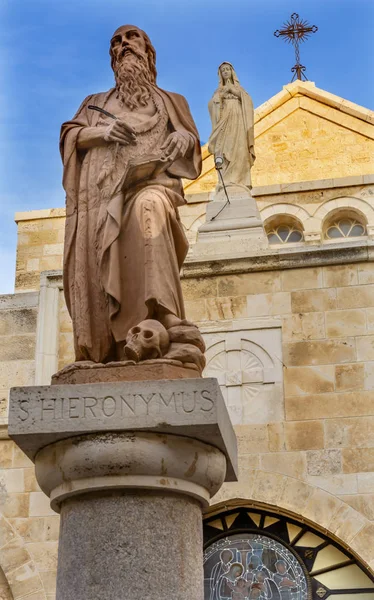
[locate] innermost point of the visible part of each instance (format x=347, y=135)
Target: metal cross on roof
x=294, y=31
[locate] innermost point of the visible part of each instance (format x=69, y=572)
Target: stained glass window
x=251, y=565
x=250, y=554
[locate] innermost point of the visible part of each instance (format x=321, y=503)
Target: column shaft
x=127, y=546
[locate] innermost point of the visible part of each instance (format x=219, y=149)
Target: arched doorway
x=256, y=554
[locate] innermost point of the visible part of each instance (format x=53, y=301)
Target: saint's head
x=226, y=72
x=226, y=556
x=281, y=567
x=133, y=60
x=236, y=570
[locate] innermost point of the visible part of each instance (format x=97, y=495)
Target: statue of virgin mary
x=232, y=137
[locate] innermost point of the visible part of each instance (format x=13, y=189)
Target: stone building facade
x=289, y=333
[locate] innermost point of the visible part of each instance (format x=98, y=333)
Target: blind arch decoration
x=252, y=554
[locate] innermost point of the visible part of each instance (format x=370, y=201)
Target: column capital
x=129, y=460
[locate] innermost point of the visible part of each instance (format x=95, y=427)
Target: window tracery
x=283, y=230
x=345, y=227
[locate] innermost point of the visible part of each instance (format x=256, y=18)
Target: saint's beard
x=133, y=79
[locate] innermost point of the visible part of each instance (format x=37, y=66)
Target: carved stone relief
x=248, y=366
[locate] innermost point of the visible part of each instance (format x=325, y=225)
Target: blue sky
x=55, y=52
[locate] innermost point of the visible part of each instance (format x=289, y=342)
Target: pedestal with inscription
x=129, y=466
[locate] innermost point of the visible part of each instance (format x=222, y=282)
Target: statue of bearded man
x=232, y=138
x=124, y=242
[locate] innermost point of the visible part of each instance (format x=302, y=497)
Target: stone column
x=129, y=466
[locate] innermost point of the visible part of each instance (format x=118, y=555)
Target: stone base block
x=233, y=228
x=238, y=214
x=232, y=244
x=149, y=370
x=195, y=408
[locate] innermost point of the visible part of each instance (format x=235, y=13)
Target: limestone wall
x=28, y=527
x=18, y=318
x=316, y=460
x=309, y=146
x=327, y=316
x=39, y=246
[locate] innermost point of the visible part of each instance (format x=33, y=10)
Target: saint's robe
x=123, y=248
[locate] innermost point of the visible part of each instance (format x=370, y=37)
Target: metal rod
x=227, y=196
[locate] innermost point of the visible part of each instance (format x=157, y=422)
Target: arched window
x=344, y=225
x=252, y=554
x=284, y=230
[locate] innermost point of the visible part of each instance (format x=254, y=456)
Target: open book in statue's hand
x=142, y=169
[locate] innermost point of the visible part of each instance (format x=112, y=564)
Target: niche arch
x=349, y=203
x=285, y=209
